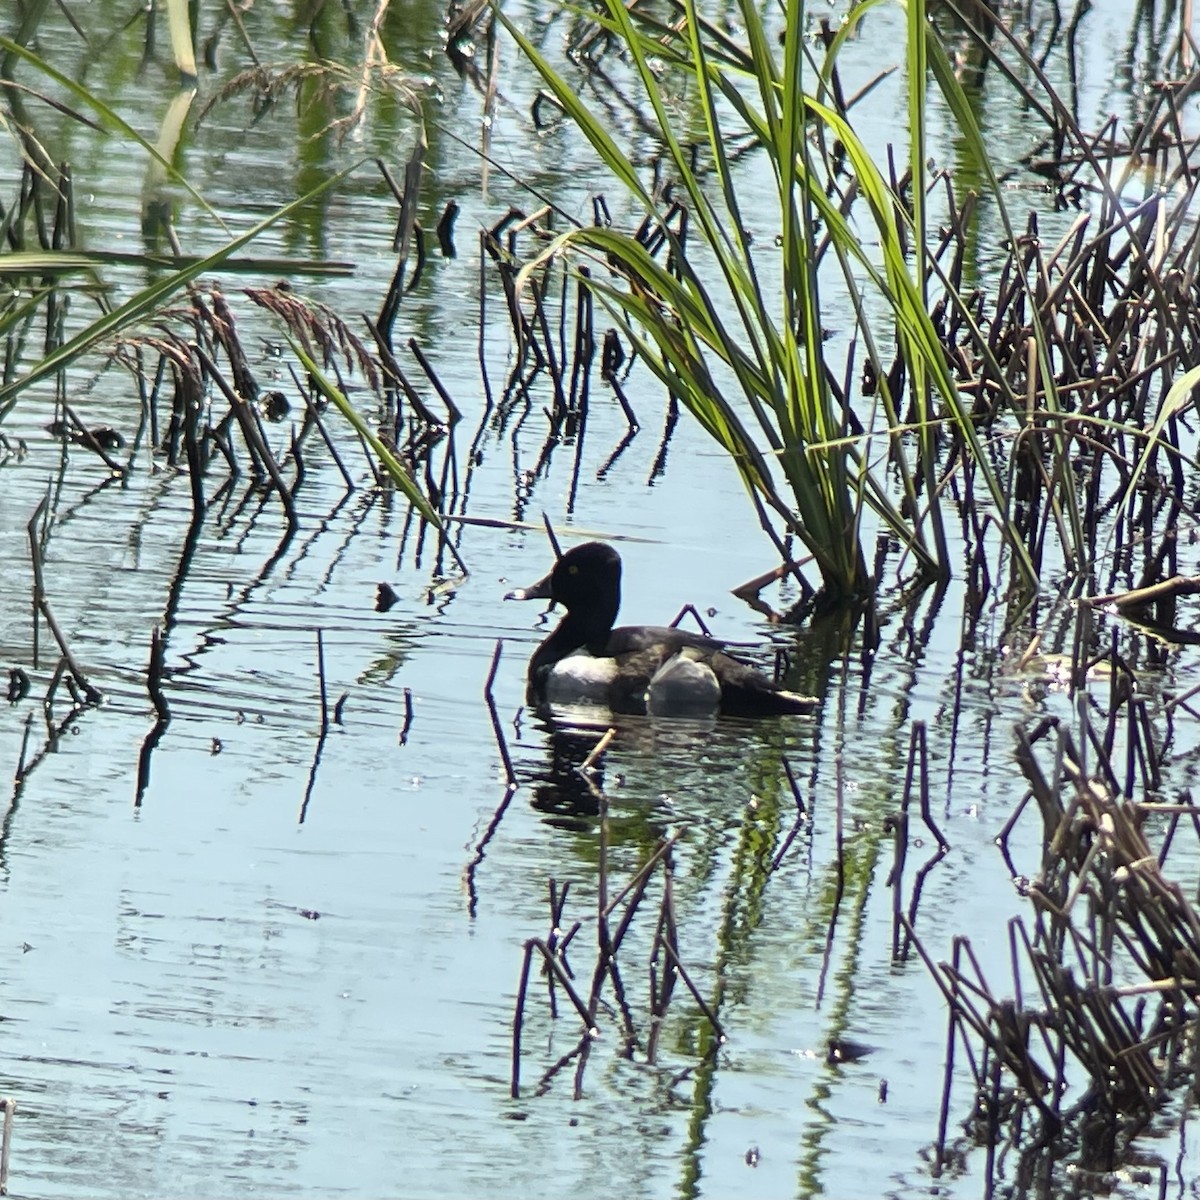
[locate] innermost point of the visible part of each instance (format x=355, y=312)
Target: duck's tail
x=748, y=692
x=766, y=699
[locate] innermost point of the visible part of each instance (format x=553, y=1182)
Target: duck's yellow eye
x=572, y=570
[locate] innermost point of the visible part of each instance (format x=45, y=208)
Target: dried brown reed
x=1101, y=1027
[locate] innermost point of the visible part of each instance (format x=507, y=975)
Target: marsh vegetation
x=883, y=319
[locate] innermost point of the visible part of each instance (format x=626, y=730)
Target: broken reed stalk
x=313, y=413
x=323, y=731
x=593, y=755
x=840, y=890
x=154, y=677
x=408, y=716
x=324, y=691
x=548, y=525
x=1143, y=597
x=248, y=421
x=637, y=885
x=800, y=822
x=19, y=774
x=298, y=459
x=394, y=374
x=497, y=729
x=608, y=941
x=552, y=964
x=514, y=1086
x=605, y=959
x=947, y=1074
x=89, y=440
x=690, y=610
x=662, y=976
x=1104, y=908
x=918, y=762
x=558, y=901
x=454, y=413
x=42, y=604
x=701, y=1003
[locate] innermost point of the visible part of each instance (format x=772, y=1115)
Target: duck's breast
x=581, y=678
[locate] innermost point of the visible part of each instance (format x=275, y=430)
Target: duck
x=654, y=669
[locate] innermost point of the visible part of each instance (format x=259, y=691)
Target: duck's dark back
x=630, y=639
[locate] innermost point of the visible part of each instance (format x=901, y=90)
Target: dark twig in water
x=801, y=818
x=324, y=729
x=445, y=229
x=154, y=678
x=662, y=977
x=537, y=293
x=898, y=827
x=19, y=774
x=1133, y=923
x=403, y=238
x=702, y=1004
x=298, y=459
x=54, y=732
x=948, y=1071
x=605, y=958
x=408, y=716
x=611, y=358
x=480, y=343
x=840, y=891
x=247, y=418
x=918, y=766
x=514, y=1086
x=609, y=941
x=323, y=687
x=581, y=1051
x=607, y=965
x=87, y=438
x=396, y=377
x=454, y=413
x=42, y=604
x=597, y=750
x=558, y=901
x=690, y=610
x=549, y=527
x=313, y=413
x=555, y=967
x=501, y=742
x=509, y=789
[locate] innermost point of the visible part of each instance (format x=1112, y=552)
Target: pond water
x=290, y=966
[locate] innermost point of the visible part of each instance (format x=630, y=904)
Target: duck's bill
x=535, y=591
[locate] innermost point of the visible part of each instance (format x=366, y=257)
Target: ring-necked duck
x=636, y=668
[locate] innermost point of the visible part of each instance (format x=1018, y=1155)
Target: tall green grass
x=748, y=359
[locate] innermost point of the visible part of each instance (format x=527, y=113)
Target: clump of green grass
x=747, y=357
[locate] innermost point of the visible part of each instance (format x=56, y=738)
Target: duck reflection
x=676, y=750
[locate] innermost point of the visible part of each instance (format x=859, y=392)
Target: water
x=291, y=968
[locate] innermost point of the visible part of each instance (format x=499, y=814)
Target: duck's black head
x=586, y=577
x=586, y=581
